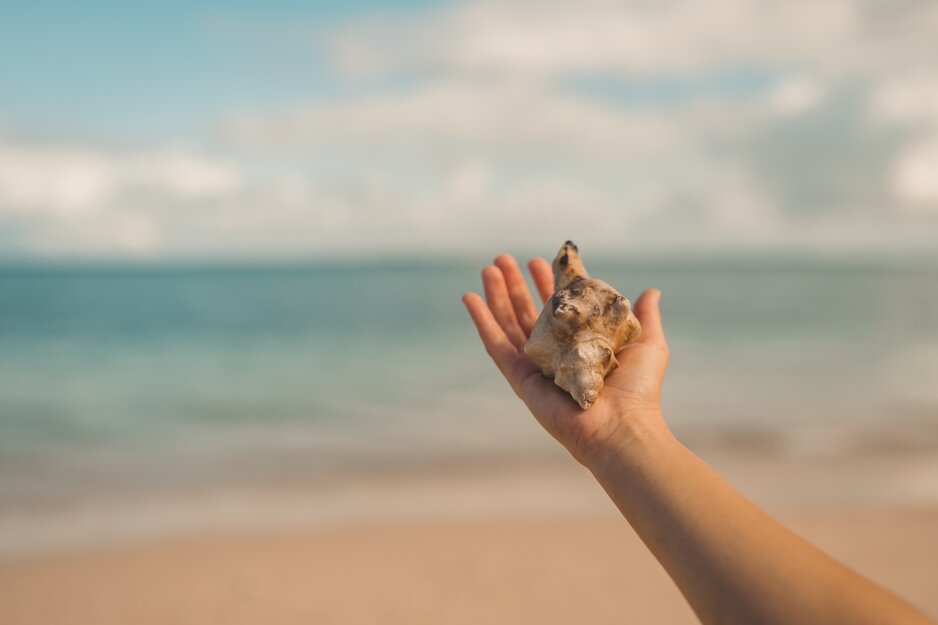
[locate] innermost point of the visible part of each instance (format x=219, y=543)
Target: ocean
x=116, y=381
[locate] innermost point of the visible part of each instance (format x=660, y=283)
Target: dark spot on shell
x=575, y=288
x=595, y=311
x=563, y=260
x=573, y=245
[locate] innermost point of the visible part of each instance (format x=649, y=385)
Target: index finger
x=506, y=356
x=518, y=292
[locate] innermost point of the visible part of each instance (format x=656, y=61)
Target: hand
x=630, y=400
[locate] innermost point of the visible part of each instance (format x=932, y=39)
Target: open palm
x=505, y=320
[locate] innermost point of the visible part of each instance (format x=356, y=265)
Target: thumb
x=648, y=311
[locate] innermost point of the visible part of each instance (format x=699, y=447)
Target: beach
x=192, y=445
x=248, y=253
x=523, y=544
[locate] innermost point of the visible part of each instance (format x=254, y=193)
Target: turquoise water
x=117, y=379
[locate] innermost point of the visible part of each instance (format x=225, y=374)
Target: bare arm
x=733, y=562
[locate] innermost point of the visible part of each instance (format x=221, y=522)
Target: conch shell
x=581, y=328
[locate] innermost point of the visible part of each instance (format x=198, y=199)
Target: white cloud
x=134, y=233
x=470, y=180
x=180, y=173
x=65, y=181
x=915, y=177
x=87, y=199
x=508, y=123
x=908, y=98
x=547, y=38
x=795, y=96
x=74, y=180
x=469, y=115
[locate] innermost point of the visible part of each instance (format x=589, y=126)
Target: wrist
x=636, y=434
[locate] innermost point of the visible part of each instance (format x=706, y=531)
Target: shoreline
x=540, y=486
x=523, y=542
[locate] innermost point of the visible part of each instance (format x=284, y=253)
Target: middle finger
x=496, y=294
x=518, y=293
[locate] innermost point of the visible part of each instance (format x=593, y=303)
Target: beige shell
x=581, y=328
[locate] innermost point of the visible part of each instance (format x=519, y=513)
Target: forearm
x=732, y=562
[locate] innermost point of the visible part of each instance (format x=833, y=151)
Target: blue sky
x=298, y=129
x=132, y=71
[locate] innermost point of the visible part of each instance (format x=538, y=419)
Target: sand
x=506, y=546
x=508, y=572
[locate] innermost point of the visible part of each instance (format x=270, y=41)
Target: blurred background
x=234, y=237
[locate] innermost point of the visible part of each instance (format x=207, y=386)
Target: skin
x=732, y=562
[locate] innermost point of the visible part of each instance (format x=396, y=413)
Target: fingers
x=496, y=342
x=496, y=294
x=518, y=293
x=540, y=393
x=543, y=277
x=649, y=315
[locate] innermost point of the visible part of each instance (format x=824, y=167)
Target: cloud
x=795, y=96
x=470, y=180
x=73, y=180
x=908, y=98
x=466, y=115
x=182, y=174
x=915, y=176
x=89, y=199
x=480, y=126
x=542, y=39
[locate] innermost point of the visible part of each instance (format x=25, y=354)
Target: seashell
x=580, y=329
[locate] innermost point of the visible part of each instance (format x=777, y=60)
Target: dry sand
x=502, y=547
x=484, y=572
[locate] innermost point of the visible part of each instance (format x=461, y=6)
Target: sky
x=269, y=130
